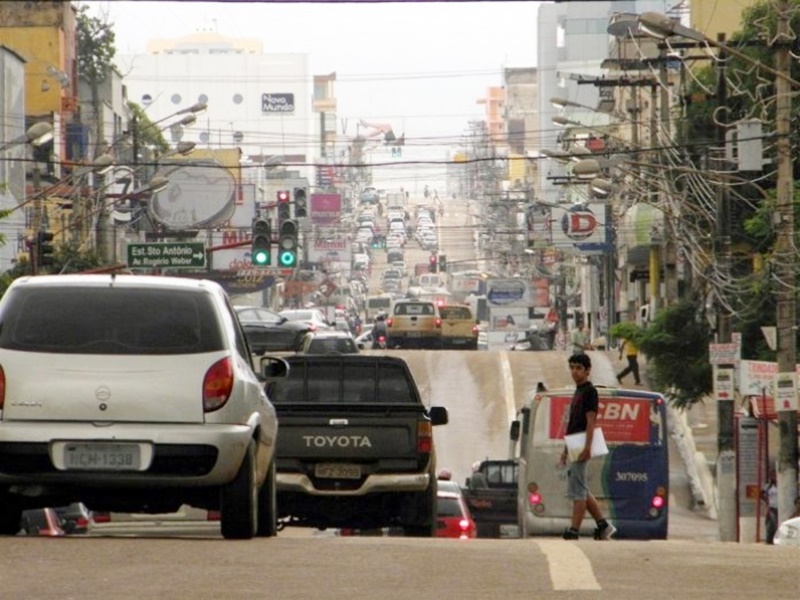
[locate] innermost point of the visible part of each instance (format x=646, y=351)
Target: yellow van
x=459, y=327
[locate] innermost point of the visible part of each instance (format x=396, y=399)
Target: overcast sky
x=419, y=66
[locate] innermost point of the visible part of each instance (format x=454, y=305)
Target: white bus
x=631, y=482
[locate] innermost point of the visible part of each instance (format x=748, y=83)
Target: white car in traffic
x=132, y=394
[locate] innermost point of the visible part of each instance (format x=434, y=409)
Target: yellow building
x=43, y=33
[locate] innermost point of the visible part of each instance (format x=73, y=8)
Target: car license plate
x=414, y=334
x=335, y=471
x=101, y=457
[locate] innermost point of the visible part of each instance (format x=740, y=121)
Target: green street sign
x=186, y=255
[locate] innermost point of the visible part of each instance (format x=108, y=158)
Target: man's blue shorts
x=576, y=481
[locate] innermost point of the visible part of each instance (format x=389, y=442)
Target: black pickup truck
x=355, y=444
x=491, y=495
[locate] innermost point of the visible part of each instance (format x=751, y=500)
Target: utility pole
x=726, y=447
x=785, y=264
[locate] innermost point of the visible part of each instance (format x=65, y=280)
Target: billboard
x=326, y=209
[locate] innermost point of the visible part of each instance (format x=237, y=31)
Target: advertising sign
x=198, y=195
x=508, y=292
x=323, y=250
x=581, y=227
x=277, y=103
x=326, y=209
x=624, y=420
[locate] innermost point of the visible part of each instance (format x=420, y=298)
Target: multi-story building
x=261, y=103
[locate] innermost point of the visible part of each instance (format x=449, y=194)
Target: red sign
x=624, y=420
x=325, y=208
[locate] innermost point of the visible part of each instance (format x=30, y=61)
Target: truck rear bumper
x=299, y=482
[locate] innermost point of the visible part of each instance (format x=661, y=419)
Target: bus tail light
x=534, y=499
x=424, y=437
x=658, y=502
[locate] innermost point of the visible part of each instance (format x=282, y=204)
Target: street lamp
x=661, y=26
x=36, y=135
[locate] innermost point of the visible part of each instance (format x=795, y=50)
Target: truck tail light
x=475, y=329
x=424, y=437
x=438, y=322
x=389, y=322
x=217, y=385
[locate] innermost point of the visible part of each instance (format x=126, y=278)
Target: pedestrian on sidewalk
x=582, y=418
x=769, y=494
x=580, y=339
x=632, y=354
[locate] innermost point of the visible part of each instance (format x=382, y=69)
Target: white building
x=261, y=103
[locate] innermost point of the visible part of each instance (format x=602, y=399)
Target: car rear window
x=448, y=507
x=455, y=312
x=414, y=309
x=331, y=382
x=109, y=320
x=331, y=345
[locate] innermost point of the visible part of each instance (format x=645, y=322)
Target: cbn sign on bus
x=631, y=482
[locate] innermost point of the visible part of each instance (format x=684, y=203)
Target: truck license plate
x=336, y=471
x=101, y=457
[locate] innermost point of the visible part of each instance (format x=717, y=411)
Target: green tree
x=96, y=50
x=676, y=346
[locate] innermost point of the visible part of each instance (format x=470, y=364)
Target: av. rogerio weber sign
x=186, y=255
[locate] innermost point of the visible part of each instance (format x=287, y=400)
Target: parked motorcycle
x=534, y=340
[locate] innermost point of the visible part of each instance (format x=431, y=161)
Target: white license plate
x=334, y=471
x=101, y=457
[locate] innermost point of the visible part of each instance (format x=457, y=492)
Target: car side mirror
x=438, y=415
x=273, y=368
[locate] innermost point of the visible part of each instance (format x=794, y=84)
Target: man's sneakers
x=604, y=531
x=570, y=534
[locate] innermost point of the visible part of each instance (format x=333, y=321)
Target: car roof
x=334, y=333
x=105, y=280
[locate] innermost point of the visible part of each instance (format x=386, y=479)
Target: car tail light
x=464, y=524
x=81, y=522
x=101, y=517
x=424, y=437
x=212, y=515
x=2, y=387
x=474, y=329
x=217, y=385
x=438, y=322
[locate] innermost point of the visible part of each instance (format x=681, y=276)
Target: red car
x=454, y=519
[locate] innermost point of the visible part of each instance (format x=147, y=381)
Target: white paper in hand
x=576, y=442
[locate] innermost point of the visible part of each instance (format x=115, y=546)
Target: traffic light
x=442, y=263
x=300, y=203
x=432, y=266
x=287, y=244
x=261, y=243
x=44, y=248
x=284, y=208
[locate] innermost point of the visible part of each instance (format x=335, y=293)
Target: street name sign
x=181, y=255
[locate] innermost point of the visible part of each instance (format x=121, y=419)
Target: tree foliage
x=96, y=47
x=676, y=346
x=146, y=133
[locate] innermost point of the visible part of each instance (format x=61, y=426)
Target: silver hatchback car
x=132, y=394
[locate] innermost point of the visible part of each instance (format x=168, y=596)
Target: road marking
x=569, y=567
x=508, y=380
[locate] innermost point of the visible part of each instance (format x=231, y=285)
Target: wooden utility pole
x=785, y=257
